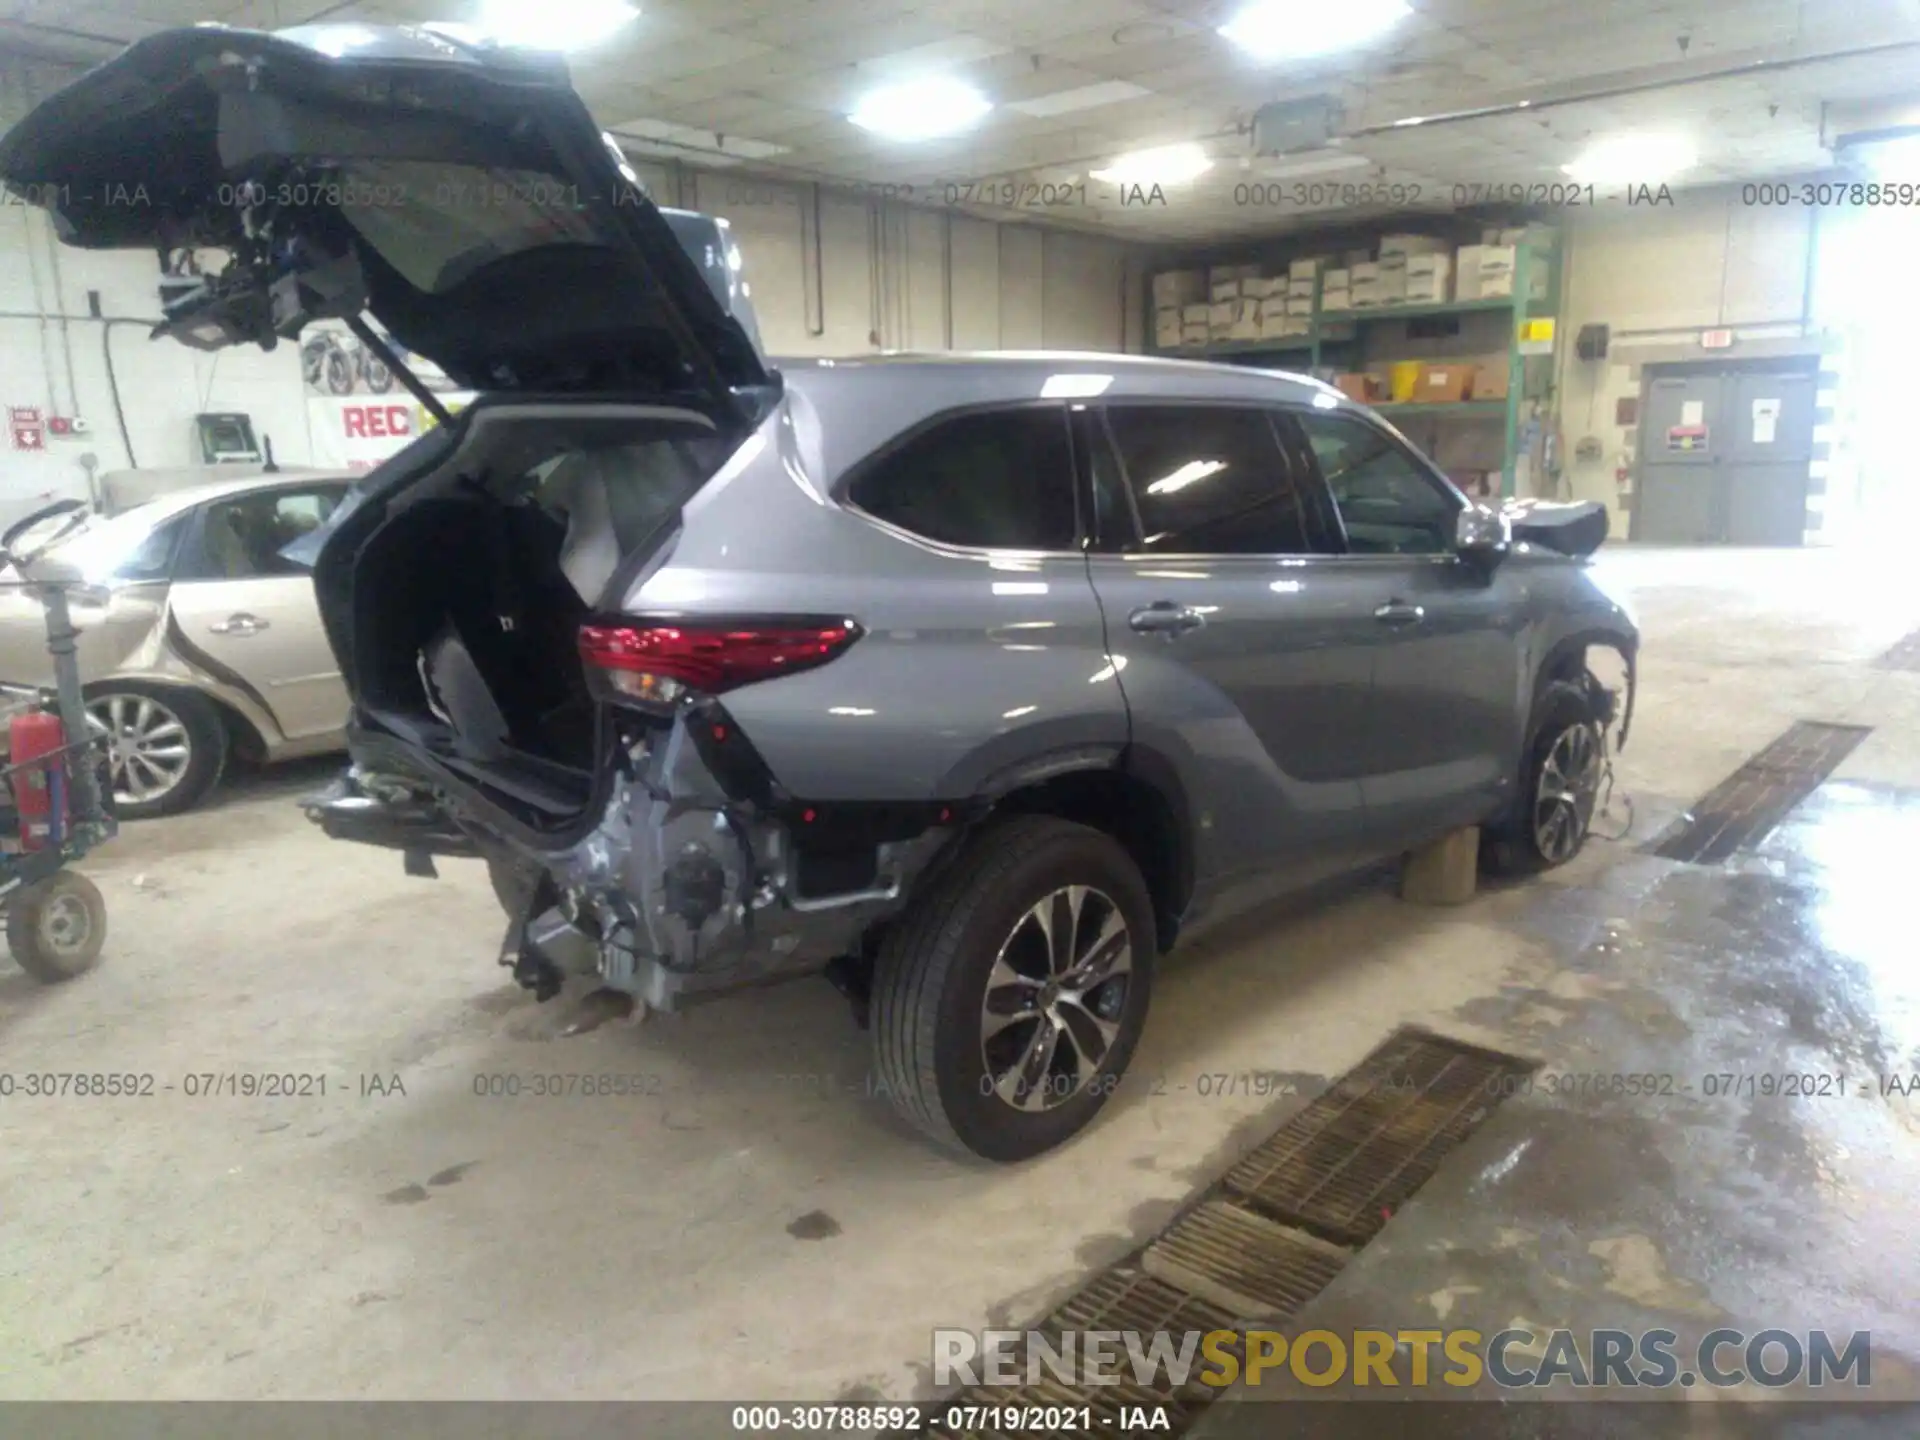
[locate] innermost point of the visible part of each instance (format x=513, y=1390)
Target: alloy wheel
x=1569, y=787
x=148, y=747
x=1055, y=998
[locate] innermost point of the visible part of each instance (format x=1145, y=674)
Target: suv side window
x=241, y=538
x=1211, y=479
x=989, y=480
x=1389, y=504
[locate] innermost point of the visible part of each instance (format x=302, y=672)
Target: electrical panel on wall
x=226, y=438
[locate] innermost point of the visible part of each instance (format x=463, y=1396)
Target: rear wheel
x=56, y=928
x=1559, y=784
x=165, y=748
x=1008, y=1002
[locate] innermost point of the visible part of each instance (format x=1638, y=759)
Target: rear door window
x=1213, y=480
x=989, y=480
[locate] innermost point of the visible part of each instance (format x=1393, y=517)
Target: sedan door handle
x=1163, y=617
x=241, y=624
x=1399, y=612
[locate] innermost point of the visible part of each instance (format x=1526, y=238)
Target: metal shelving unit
x=1336, y=329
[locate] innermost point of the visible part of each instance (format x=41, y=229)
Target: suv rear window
x=991, y=480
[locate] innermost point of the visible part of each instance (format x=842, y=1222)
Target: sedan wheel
x=1054, y=998
x=164, y=749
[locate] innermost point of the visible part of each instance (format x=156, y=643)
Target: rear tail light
x=662, y=662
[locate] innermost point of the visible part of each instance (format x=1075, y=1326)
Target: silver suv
x=974, y=682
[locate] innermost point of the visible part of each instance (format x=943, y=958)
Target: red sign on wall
x=29, y=431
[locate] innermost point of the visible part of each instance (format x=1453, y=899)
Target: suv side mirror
x=1481, y=534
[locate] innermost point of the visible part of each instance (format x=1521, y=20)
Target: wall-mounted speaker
x=1591, y=343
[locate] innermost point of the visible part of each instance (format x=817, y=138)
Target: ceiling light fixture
x=553, y=24
x=920, y=109
x=1633, y=160
x=1296, y=29
x=1162, y=165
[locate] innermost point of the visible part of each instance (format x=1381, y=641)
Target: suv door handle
x=1400, y=612
x=1163, y=617
x=240, y=624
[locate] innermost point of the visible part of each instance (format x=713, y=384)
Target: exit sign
x=1716, y=339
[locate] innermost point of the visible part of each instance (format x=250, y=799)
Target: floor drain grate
x=1743, y=809
x=1905, y=654
x=1124, y=1301
x=1253, y=1249
x=1244, y=1262
x=1343, y=1165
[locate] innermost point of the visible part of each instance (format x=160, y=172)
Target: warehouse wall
x=1658, y=276
x=844, y=278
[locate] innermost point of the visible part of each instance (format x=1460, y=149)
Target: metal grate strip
x=1354, y=1155
x=1743, y=809
x=1904, y=655
x=1125, y=1301
x=1244, y=1261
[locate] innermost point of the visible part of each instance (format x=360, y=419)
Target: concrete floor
x=753, y=1224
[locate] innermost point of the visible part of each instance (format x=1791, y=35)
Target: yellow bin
x=1403, y=378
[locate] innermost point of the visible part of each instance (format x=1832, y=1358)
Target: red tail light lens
x=662, y=662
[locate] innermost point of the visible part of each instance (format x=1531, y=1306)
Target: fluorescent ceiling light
x=553, y=24
x=1163, y=165
x=1633, y=160
x=1295, y=29
x=920, y=109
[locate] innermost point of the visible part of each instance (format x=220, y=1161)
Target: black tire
x=1522, y=844
x=205, y=738
x=930, y=987
x=55, y=928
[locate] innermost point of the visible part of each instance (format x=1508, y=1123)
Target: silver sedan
x=197, y=640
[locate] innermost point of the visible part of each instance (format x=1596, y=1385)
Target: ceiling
x=764, y=85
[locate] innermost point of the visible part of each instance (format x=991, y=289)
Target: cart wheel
x=56, y=927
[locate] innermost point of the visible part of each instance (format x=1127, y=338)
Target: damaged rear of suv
x=972, y=682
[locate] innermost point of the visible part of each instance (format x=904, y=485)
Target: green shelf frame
x=1444, y=409
x=1332, y=328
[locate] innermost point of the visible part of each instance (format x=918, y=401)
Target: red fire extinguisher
x=39, y=791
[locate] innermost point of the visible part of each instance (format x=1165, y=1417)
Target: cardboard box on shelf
x=1274, y=307
x=1444, y=382
x=1173, y=288
x=1258, y=287
x=1196, y=314
x=1296, y=325
x=1430, y=284
x=1221, y=313
x=1336, y=299
x=1305, y=269
x=1192, y=337
x=1296, y=305
x=1490, y=376
x=1412, y=245
x=1166, y=327
x=1361, y=385
x=1337, y=279
x=1515, y=236
x=1223, y=291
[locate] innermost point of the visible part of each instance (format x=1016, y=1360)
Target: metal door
x=1682, y=439
x=1770, y=449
